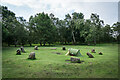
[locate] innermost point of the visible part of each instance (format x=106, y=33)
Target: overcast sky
x=106, y=9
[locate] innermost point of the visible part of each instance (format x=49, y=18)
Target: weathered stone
x=36, y=48
x=22, y=49
x=100, y=53
x=75, y=60
x=63, y=48
x=18, y=52
x=93, y=51
x=90, y=55
x=32, y=55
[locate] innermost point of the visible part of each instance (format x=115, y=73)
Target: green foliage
x=13, y=29
x=116, y=28
x=43, y=28
x=7, y=20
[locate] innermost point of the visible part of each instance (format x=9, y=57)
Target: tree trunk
x=8, y=44
x=22, y=44
x=44, y=43
x=40, y=44
x=68, y=42
x=95, y=37
x=15, y=45
x=30, y=44
x=94, y=41
x=61, y=42
x=49, y=43
x=88, y=43
x=65, y=42
x=73, y=38
x=118, y=39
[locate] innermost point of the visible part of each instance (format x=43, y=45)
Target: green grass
x=51, y=65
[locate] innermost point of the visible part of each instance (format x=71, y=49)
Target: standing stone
x=22, y=49
x=100, y=53
x=90, y=55
x=36, y=48
x=32, y=55
x=75, y=60
x=93, y=51
x=18, y=52
x=63, y=48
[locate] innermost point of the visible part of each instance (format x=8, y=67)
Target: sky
x=106, y=9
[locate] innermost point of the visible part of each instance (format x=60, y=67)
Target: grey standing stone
x=93, y=51
x=36, y=48
x=100, y=53
x=90, y=55
x=63, y=48
x=75, y=60
x=18, y=52
x=22, y=49
x=32, y=55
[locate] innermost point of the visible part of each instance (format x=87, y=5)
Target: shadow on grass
x=75, y=62
x=31, y=59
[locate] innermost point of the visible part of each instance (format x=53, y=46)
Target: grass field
x=51, y=65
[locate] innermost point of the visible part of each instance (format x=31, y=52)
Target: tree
x=31, y=31
x=71, y=22
x=79, y=26
x=7, y=22
x=106, y=33
x=86, y=32
x=43, y=28
x=13, y=28
x=71, y=25
x=62, y=31
x=116, y=28
x=55, y=24
x=22, y=31
x=97, y=24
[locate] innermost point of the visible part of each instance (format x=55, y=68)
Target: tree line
x=43, y=28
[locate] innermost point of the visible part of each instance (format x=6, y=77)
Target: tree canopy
x=45, y=28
